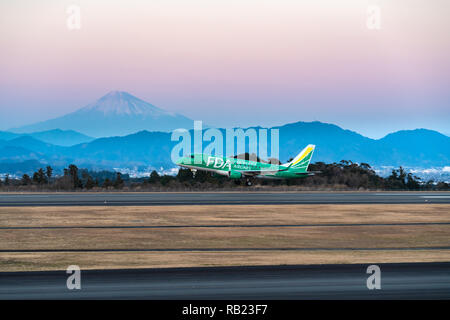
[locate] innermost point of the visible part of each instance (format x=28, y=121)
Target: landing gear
x=247, y=182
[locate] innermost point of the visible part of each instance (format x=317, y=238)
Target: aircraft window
x=192, y=156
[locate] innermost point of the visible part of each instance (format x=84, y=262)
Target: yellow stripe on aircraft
x=308, y=151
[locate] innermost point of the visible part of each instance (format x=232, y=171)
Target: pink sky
x=252, y=62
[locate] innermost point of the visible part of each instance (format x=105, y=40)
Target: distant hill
x=140, y=149
x=333, y=143
x=6, y=135
x=57, y=137
x=33, y=144
x=20, y=168
x=117, y=113
x=419, y=148
x=62, y=137
x=16, y=154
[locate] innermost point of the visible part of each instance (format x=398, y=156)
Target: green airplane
x=245, y=169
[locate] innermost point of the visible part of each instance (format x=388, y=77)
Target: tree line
x=344, y=175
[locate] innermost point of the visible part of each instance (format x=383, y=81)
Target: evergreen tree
x=73, y=172
x=36, y=177
x=39, y=177
x=154, y=177
x=49, y=173
x=118, y=183
x=165, y=179
x=402, y=175
x=26, y=180
x=397, y=179
x=90, y=183
x=185, y=175
x=107, y=183
x=412, y=182
x=42, y=176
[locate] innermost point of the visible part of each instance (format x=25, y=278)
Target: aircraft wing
x=251, y=173
x=308, y=173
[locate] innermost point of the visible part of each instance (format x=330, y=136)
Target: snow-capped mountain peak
x=116, y=113
x=123, y=103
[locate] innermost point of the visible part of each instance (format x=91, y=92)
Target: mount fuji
x=117, y=113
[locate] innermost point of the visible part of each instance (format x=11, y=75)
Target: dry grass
x=108, y=260
x=223, y=214
x=185, y=238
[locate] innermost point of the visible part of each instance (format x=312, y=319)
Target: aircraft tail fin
x=302, y=160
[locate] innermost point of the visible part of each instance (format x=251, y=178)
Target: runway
x=220, y=198
x=398, y=281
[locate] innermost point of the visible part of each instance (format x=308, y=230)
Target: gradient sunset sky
x=233, y=62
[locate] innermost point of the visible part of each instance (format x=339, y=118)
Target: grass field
x=315, y=241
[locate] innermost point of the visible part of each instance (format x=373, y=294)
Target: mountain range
x=117, y=114
x=146, y=150
x=57, y=137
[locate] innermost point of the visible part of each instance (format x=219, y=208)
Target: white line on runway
x=435, y=197
x=397, y=194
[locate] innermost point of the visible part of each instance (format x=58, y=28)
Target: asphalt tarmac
x=220, y=198
x=398, y=281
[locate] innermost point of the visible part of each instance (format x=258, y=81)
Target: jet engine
x=234, y=174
